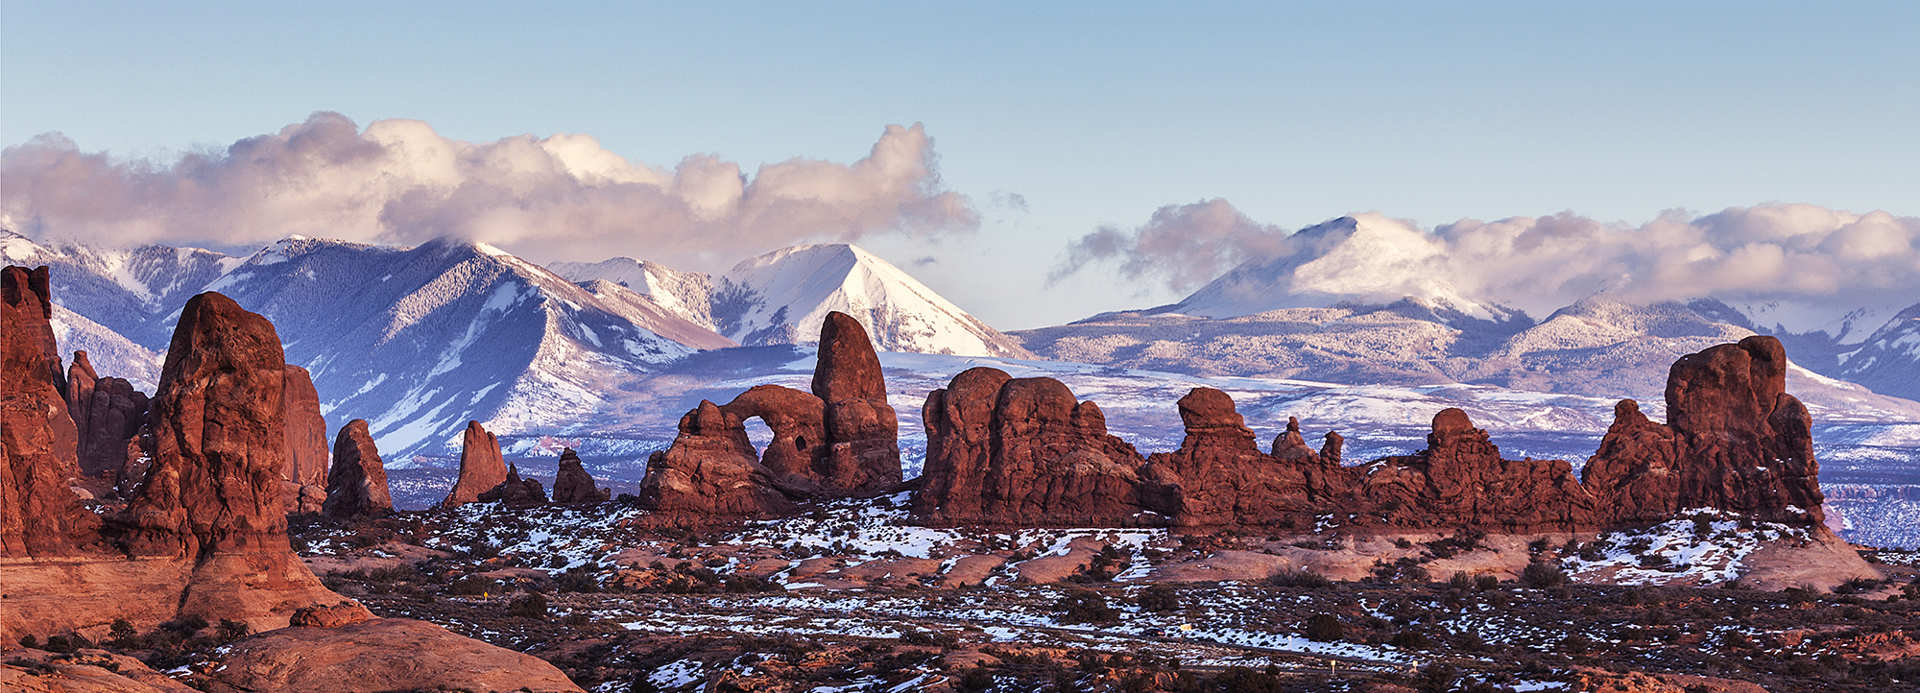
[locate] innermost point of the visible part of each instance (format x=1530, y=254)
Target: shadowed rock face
x=1024, y=451
x=1220, y=477
x=1460, y=480
x=1735, y=440
x=306, y=467
x=357, y=483
x=107, y=414
x=863, y=454
x=39, y=514
x=710, y=474
x=481, y=466
x=840, y=441
x=572, y=483
x=219, y=438
x=516, y=492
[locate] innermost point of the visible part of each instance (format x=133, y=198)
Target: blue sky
x=1094, y=114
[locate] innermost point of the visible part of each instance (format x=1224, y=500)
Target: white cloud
x=1781, y=252
x=398, y=181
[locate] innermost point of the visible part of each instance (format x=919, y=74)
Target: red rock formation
x=219, y=439
x=305, y=472
x=481, y=466
x=1005, y=451
x=796, y=457
x=516, y=492
x=357, y=482
x=1330, y=449
x=39, y=513
x=572, y=483
x=710, y=474
x=206, y=517
x=838, y=442
x=1219, y=477
x=107, y=415
x=1736, y=441
x=1460, y=480
x=863, y=457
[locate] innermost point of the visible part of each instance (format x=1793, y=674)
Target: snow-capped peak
x=1363, y=259
x=686, y=294
x=782, y=297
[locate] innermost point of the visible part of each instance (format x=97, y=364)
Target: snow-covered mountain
x=419, y=340
x=782, y=297
x=1365, y=259
x=687, y=294
x=416, y=340
x=1888, y=361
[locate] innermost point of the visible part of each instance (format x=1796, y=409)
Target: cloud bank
x=562, y=197
x=1792, y=253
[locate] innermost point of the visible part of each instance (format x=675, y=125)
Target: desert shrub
x=935, y=638
x=1086, y=606
x=1415, y=574
x=121, y=633
x=1460, y=581
x=185, y=625
x=1410, y=639
x=528, y=605
x=1655, y=561
x=1858, y=585
x=1290, y=577
x=231, y=630
x=1539, y=545
x=1244, y=680
x=1159, y=598
x=470, y=585
x=482, y=550
x=746, y=584
x=579, y=579
x=1402, y=543
x=1325, y=628
x=1542, y=575
x=59, y=643
x=1485, y=581
x=976, y=680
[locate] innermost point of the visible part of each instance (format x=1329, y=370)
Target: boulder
x=516, y=492
x=572, y=483
x=481, y=466
x=306, y=461
x=863, y=457
x=330, y=615
x=82, y=671
x=357, y=482
x=383, y=654
x=1006, y=451
x=39, y=513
